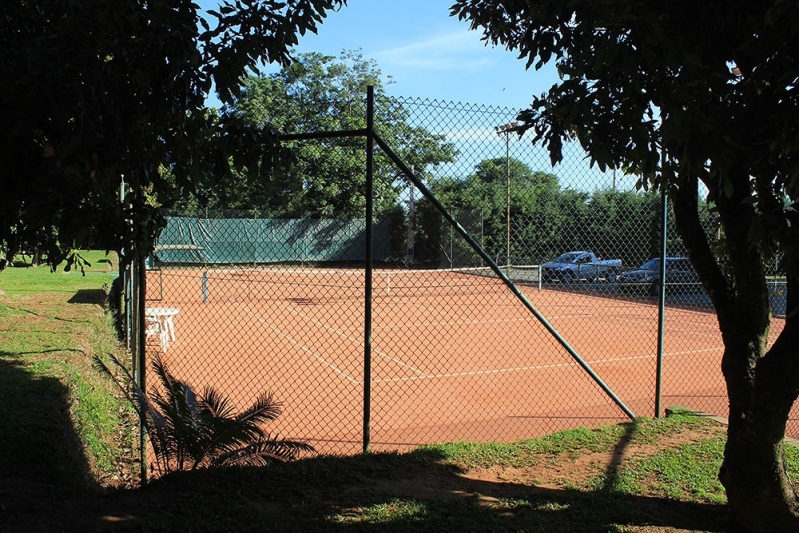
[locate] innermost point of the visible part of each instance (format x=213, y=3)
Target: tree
x=99, y=93
x=325, y=177
x=623, y=224
x=688, y=93
x=481, y=202
x=189, y=430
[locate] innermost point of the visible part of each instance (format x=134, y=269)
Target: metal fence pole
x=662, y=293
x=367, y=318
x=138, y=345
x=506, y=130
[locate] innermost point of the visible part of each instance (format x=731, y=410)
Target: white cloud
x=457, y=51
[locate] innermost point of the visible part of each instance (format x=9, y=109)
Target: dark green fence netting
x=236, y=240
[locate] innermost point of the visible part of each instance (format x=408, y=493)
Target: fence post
x=662, y=293
x=138, y=346
x=367, y=318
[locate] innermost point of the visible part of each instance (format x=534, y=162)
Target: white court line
x=454, y=323
x=358, y=342
x=577, y=315
x=539, y=367
x=477, y=372
x=666, y=354
x=442, y=311
x=716, y=335
x=706, y=325
x=529, y=319
x=300, y=346
x=691, y=352
x=422, y=375
x=712, y=334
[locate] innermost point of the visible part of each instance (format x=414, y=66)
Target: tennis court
x=454, y=356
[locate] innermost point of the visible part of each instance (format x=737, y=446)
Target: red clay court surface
x=471, y=364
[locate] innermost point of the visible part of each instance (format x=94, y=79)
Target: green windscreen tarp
x=237, y=240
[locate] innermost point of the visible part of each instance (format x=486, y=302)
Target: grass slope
x=62, y=424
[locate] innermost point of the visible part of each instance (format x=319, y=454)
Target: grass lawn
x=62, y=425
x=67, y=448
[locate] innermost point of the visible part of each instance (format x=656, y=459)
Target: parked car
x=681, y=278
x=579, y=266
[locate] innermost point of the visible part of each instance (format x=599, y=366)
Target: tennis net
x=320, y=284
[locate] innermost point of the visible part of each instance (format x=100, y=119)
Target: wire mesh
x=273, y=298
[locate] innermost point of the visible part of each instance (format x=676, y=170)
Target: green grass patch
x=688, y=472
x=572, y=442
x=792, y=461
x=63, y=420
x=390, y=511
x=26, y=279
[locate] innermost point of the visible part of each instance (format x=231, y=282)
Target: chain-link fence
x=378, y=325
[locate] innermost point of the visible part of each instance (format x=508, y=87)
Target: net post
x=205, y=286
x=539, y=278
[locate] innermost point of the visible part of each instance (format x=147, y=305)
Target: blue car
x=681, y=278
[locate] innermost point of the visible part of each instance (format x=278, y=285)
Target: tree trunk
x=759, y=492
x=761, y=386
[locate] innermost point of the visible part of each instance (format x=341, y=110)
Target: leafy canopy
x=324, y=177
x=99, y=93
x=711, y=84
x=694, y=96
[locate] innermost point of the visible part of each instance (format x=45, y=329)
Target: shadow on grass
x=89, y=296
x=41, y=456
x=384, y=492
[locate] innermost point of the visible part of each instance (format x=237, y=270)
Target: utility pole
x=506, y=130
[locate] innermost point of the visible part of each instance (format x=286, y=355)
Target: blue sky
x=431, y=55
x=428, y=53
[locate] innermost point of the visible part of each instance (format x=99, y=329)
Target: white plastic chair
x=154, y=327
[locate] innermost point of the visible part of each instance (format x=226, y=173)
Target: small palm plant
x=189, y=431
